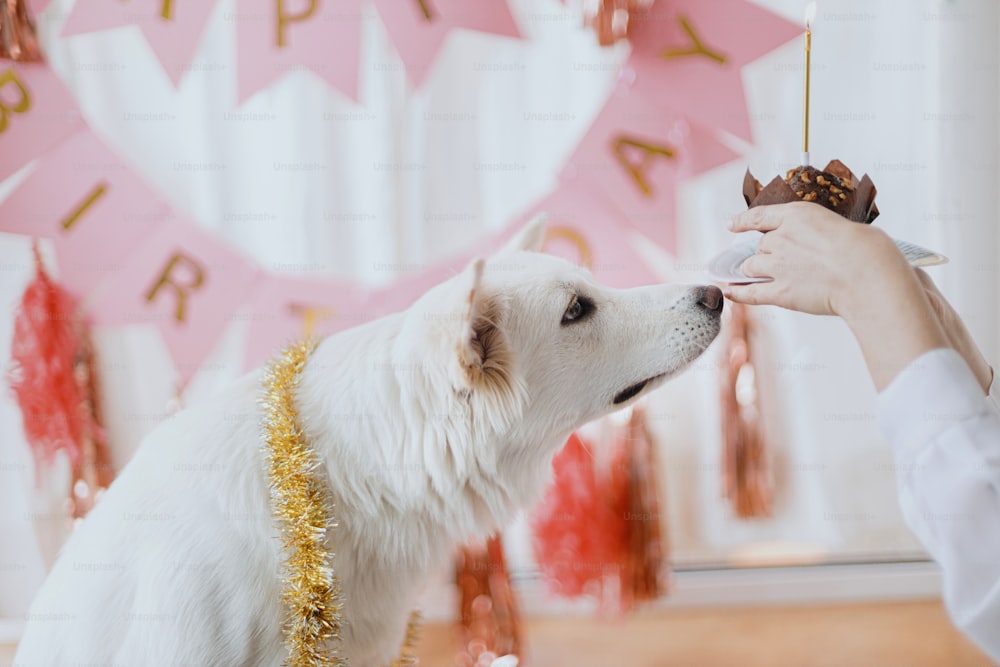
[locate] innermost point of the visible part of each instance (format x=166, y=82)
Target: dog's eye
x=578, y=309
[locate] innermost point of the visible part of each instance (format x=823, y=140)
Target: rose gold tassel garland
x=746, y=474
x=612, y=19
x=94, y=473
x=646, y=569
x=18, y=40
x=489, y=624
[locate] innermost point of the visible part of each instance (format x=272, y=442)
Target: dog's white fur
x=435, y=425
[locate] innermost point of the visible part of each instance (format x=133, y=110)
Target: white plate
x=726, y=267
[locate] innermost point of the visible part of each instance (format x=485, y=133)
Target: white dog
x=435, y=425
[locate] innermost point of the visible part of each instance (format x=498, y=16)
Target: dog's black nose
x=710, y=297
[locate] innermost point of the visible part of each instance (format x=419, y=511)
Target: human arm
x=944, y=432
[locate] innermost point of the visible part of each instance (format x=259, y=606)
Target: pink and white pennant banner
x=173, y=28
x=96, y=216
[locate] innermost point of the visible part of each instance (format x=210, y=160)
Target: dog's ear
x=482, y=350
x=484, y=373
x=471, y=351
x=530, y=237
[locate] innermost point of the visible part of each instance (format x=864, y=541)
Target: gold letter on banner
x=425, y=8
x=309, y=315
x=574, y=237
x=697, y=48
x=637, y=170
x=94, y=195
x=11, y=77
x=179, y=289
x=284, y=18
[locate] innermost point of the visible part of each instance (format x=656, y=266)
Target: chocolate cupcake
x=834, y=187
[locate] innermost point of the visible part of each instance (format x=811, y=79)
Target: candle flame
x=810, y=14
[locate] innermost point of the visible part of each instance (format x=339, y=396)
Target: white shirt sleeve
x=945, y=435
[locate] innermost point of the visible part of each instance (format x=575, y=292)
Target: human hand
x=824, y=264
x=820, y=262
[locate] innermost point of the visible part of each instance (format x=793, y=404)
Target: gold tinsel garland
x=311, y=591
x=300, y=504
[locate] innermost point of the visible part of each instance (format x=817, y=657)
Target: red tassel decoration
x=18, y=40
x=53, y=379
x=489, y=623
x=600, y=534
x=571, y=542
x=745, y=471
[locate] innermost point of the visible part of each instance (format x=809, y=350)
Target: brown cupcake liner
x=860, y=205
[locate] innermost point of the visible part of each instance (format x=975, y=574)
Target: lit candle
x=810, y=15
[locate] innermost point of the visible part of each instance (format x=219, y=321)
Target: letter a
x=637, y=169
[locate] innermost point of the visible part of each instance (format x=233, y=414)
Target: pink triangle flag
x=687, y=56
x=173, y=29
x=634, y=154
x=36, y=114
x=583, y=228
x=285, y=308
x=275, y=37
x=418, y=28
x=91, y=204
x=186, y=282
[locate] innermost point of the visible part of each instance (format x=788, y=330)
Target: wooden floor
x=888, y=635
